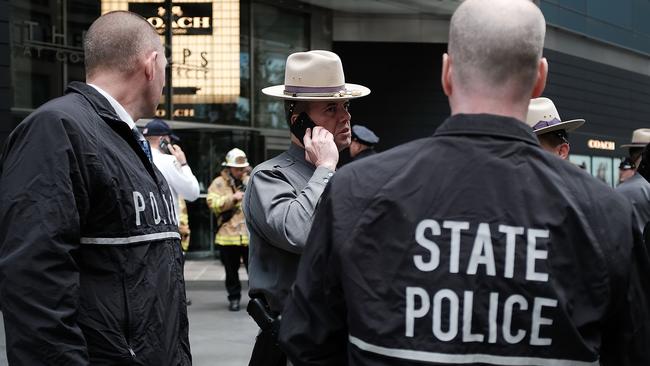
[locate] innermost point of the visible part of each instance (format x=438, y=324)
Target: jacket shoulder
x=277, y=163
x=377, y=168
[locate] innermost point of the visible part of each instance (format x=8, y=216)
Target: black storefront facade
x=220, y=64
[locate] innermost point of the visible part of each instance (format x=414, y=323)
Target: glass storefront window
x=47, y=48
x=602, y=168
x=206, y=151
x=206, y=60
x=277, y=33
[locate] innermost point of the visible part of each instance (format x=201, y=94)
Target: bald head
x=496, y=46
x=116, y=40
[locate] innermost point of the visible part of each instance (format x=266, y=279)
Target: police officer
x=284, y=191
x=363, y=142
x=474, y=245
x=626, y=169
x=91, y=269
x=636, y=189
x=551, y=131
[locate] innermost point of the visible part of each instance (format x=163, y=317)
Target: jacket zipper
x=127, y=314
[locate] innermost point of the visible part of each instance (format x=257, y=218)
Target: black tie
x=144, y=144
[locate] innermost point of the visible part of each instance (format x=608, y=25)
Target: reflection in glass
x=277, y=33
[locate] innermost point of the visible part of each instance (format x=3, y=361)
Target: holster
x=266, y=351
x=264, y=317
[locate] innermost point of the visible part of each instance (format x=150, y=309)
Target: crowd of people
x=478, y=245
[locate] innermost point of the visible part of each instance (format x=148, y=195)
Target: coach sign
x=205, y=47
x=188, y=18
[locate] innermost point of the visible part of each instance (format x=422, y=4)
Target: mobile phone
x=164, y=146
x=300, y=126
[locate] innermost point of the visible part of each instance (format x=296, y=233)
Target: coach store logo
x=601, y=144
x=188, y=19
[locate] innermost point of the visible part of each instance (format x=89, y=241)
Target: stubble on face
x=334, y=117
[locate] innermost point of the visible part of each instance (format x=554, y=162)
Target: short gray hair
x=496, y=44
x=116, y=40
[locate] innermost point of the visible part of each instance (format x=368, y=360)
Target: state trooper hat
x=364, y=135
x=314, y=76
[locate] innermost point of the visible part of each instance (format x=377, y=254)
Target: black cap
x=158, y=127
x=364, y=135
x=626, y=164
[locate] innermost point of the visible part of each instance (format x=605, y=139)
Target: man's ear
x=150, y=65
x=540, y=82
x=563, y=150
x=446, y=75
x=293, y=118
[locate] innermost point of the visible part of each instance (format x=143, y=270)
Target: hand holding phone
x=164, y=146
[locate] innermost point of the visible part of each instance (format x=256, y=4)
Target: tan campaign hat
x=315, y=76
x=640, y=138
x=543, y=117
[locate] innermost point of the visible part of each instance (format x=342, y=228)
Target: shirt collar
x=298, y=153
x=487, y=124
x=121, y=112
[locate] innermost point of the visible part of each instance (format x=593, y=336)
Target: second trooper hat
x=543, y=117
x=640, y=138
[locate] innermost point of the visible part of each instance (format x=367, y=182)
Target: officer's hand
x=320, y=148
x=178, y=154
x=238, y=196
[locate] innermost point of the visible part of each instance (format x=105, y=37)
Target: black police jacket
x=473, y=246
x=90, y=258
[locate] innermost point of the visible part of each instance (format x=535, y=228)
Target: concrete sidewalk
x=210, y=270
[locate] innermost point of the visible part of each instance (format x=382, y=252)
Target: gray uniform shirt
x=637, y=191
x=279, y=207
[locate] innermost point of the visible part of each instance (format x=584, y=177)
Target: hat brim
x=640, y=144
x=235, y=165
x=354, y=91
x=173, y=137
x=568, y=126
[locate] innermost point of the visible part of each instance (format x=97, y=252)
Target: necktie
x=144, y=144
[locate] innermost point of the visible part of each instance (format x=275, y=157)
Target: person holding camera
x=170, y=159
x=224, y=199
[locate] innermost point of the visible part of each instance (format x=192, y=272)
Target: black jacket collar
x=101, y=105
x=105, y=110
x=487, y=124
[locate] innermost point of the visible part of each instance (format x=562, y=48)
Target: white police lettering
x=411, y=311
x=492, y=317
x=468, y=305
x=482, y=244
x=434, y=251
x=532, y=254
x=173, y=218
x=168, y=210
x=538, y=321
x=508, y=308
x=454, y=245
x=138, y=203
x=473, y=251
x=154, y=206
x=452, y=299
x=511, y=239
x=140, y=208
